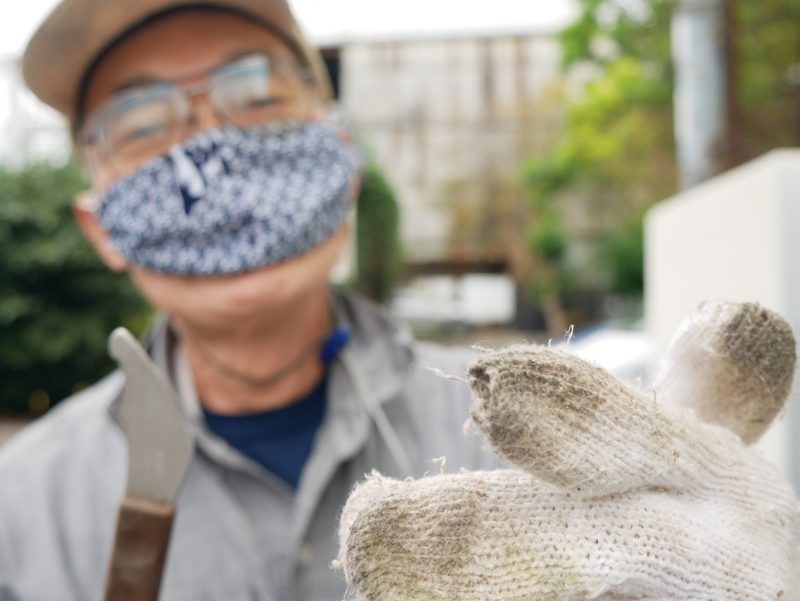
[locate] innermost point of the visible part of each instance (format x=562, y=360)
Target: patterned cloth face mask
x=229, y=201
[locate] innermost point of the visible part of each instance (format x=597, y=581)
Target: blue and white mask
x=229, y=201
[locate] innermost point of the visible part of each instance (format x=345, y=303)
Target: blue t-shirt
x=279, y=440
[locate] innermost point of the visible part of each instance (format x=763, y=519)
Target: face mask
x=229, y=201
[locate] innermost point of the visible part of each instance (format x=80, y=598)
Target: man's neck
x=265, y=364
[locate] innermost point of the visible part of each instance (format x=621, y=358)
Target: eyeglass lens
x=146, y=121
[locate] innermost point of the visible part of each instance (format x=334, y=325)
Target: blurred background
x=606, y=164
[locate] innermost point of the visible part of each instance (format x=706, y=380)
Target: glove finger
x=578, y=427
x=733, y=364
x=505, y=536
x=450, y=537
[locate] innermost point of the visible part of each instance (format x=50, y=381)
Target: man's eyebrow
x=241, y=54
x=136, y=82
x=149, y=80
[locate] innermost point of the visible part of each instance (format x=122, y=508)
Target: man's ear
x=83, y=209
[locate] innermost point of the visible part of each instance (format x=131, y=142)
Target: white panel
x=732, y=237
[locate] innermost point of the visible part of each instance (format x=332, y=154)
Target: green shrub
x=623, y=254
x=377, y=238
x=58, y=302
x=547, y=237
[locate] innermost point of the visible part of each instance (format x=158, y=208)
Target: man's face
x=185, y=47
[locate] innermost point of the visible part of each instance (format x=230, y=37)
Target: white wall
x=736, y=237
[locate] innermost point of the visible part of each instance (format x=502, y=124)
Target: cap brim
x=77, y=31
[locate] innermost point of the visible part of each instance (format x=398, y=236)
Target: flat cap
x=76, y=32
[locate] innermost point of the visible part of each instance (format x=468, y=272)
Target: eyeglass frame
x=95, y=121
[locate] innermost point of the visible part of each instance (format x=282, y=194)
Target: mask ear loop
x=94, y=165
x=376, y=413
x=87, y=201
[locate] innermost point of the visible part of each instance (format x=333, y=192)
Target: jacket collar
x=381, y=345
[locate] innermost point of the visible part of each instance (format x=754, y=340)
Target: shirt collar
x=381, y=346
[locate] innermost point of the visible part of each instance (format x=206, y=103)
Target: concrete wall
x=737, y=237
x=29, y=130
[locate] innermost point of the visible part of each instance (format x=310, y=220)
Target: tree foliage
x=618, y=155
x=377, y=236
x=58, y=303
x=769, y=74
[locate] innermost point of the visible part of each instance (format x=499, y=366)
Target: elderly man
x=222, y=189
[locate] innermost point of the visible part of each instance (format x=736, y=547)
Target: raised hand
x=619, y=495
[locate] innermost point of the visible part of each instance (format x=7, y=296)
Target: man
x=222, y=190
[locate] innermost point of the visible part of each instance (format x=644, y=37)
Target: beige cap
x=66, y=45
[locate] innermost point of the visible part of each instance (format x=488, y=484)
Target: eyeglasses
x=145, y=121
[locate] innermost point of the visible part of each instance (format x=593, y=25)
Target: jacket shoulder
x=432, y=363
x=60, y=481
x=439, y=408
x=75, y=421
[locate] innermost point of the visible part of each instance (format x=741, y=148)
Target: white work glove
x=619, y=496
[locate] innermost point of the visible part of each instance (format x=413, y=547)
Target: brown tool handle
x=140, y=549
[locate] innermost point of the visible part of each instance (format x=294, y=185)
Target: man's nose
x=203, y=115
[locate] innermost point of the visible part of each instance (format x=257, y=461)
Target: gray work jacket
x=240, y=533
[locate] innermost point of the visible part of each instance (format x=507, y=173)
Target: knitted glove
x=619, y=496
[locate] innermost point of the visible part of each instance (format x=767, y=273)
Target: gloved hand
x=618, y=495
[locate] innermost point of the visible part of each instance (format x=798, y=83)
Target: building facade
x=450, y=121
x=29, y=130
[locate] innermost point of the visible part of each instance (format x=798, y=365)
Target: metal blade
x=159, y=439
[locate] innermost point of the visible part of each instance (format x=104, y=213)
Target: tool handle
x=140, y=550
